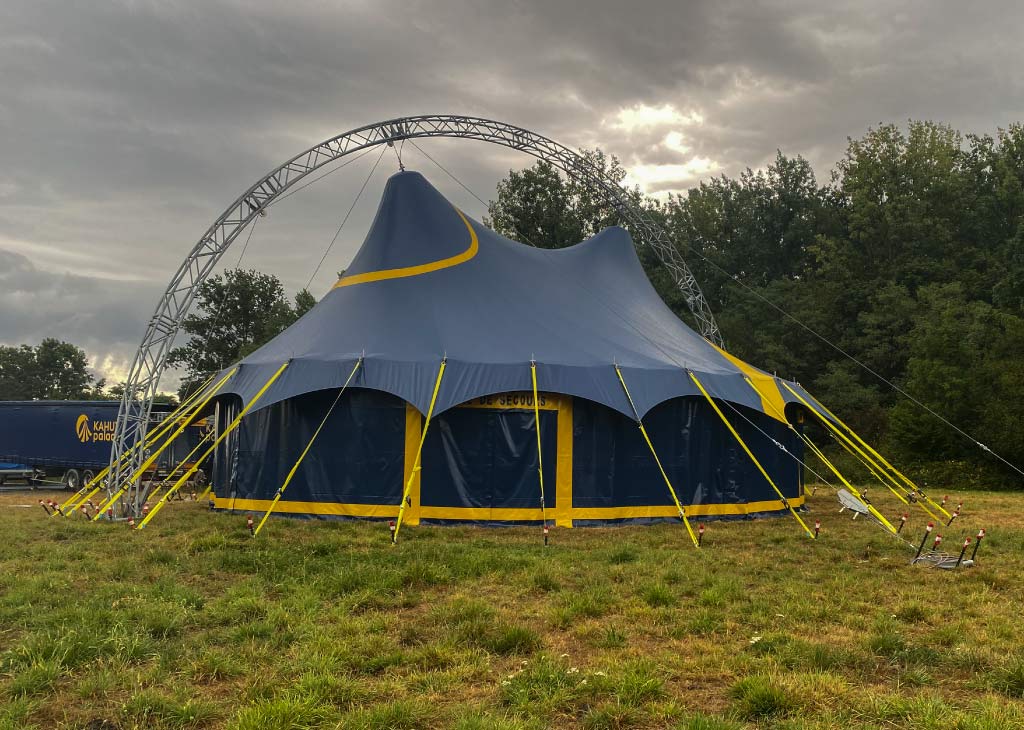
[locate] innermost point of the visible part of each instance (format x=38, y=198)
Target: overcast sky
x=126, y=128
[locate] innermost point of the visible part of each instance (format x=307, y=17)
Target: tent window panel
x=486, y=458
x=358, y=458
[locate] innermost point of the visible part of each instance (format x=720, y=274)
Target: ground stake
x=977, y=542
x=967, y=541
x=45, y=508
x=817, y=527
x=938, y=541
x=248, y=523
x=927, y=531
x=545, y=534
x=903, y=521
x=700, y=534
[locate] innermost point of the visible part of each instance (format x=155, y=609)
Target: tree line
x=908, y=262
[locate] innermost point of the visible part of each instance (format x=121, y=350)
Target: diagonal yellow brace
x=227, y=431
x=298, y=462
x=750, y=453
x=68, y=508
x=664, y=475
x=882, y=459
x=817, y=452
x=419, y=452
x=170, y=439
x=540, y=462
x=857, y=451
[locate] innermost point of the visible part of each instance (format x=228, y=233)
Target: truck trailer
x=68, y=442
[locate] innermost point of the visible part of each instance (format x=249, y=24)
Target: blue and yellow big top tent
x=430, y=286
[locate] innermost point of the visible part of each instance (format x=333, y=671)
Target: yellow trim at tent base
x=480, y=514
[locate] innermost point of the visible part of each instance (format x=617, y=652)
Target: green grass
x=321, y=625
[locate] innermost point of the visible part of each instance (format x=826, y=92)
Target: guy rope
x=750, y=453
x=97, y=480
x=824, y=460
x=664, y=475
x=227, y=431
x=851, y=446
x=149, y=462
x=540, y=462
x=302, y=456
x=419, y=453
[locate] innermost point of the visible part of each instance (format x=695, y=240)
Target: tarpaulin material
x=429, y=283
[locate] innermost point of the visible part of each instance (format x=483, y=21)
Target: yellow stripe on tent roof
x=772, y=402
x=405, y=271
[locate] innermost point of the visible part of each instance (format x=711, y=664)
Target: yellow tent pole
x=881, y=458
x=857, y=451
x=664, y=475
x=540, y=461
x=188, y=457
x=164, y=427
x=170, y=439
x=231, y=427
x=419, y=453
x=205, y=492
x=817, y=452
x=298, y=462
x=750, y=453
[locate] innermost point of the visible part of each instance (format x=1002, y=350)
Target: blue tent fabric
x=429, y=283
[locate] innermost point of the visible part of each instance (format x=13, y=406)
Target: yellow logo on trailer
x=82, y=428
x=94, y=431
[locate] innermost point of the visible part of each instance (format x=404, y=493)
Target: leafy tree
x=52, y=370
x=541, y=207
x=238, y=312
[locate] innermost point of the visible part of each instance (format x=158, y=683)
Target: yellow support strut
x=750, y=453
x=419, y=453
x=227, y=431
x=170, y=439
x=817, y=452
x=664, y=475
x=298, y=462
x=96, y=480
x=852, y=447
x=540, y=458
x=882, y=459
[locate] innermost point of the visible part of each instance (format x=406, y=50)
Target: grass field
x=193, y=624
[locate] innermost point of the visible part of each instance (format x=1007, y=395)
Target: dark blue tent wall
x=480, y=461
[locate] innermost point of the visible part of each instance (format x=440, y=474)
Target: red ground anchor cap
x=110, y=512
x=905, y=517
x=981, y=533
x=931, y=526
x=938, y=541
x=145, y=508
x=945, y=497
x=545, y=529
x=967, y=541
x=131, y=522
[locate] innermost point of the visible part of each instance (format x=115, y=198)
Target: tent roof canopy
x=430, y=283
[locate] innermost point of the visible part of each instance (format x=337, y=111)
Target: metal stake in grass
x=903, y=521
x=248, y=523
x=956, y=513
x=977, y=542
x=700, y=534
x=927, y=532
x=967, y=541
x=817, y=527
x=45, y=508
x=938, y=541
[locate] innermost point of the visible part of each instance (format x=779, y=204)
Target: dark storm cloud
x=125, y=128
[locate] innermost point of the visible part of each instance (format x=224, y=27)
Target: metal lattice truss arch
x=150, y=360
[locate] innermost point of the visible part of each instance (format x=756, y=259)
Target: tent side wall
x=480, y=461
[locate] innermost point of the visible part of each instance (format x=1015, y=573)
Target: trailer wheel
x=72, y=479
x=87, y=476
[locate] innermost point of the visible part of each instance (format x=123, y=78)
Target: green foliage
x=238, y=312
x=52, y=370
x=911, y=260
